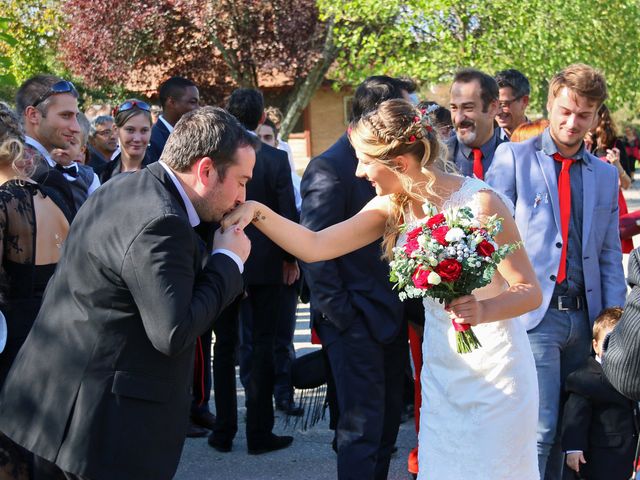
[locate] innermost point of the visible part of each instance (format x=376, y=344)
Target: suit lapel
x=549, y=172
x=588, y=200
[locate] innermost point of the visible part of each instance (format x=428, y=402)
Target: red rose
x=449, y=270
x=485, y=249
x=435, y=220
x=415, y=233
x=419, y=278
x=411, y=246
x=439, y=233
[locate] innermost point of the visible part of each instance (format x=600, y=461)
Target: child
x=599, y=431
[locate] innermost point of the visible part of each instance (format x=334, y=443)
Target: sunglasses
x=63, y=86
x=130, y=105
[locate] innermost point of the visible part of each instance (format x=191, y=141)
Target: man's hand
x=574, y=459
x=290, y=272
x=233, y=239
x=61, y=157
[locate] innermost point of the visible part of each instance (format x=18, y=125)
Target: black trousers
x=258, y=319
x=369, y=379
x=224, y=372
x=201, y=392
x=284, y=351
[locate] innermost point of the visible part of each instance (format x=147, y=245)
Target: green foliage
x=430, y=39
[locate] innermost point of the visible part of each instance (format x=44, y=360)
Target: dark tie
x=477, y=163
x=564, y=192
x=71, y=170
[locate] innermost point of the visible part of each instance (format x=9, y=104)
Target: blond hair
x=607, y=319
x=581, y=79
x=11, y=137
x=398, y=128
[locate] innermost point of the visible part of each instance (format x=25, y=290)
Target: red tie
x=477, y=163
x=564, y=192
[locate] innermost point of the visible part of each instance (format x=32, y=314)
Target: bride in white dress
x=479, y=410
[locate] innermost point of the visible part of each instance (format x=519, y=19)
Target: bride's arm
x=524, y=293
x=362, y=229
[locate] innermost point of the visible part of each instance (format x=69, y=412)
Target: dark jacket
x=599, y=421
x=101, y=386
x=159, y=135
x=271, y=185
x=357, y=284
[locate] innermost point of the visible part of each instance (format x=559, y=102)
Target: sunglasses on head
x=128, y=105
x=63, y=86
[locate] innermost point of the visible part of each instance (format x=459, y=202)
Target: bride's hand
x=466, y=309
x=241, y=216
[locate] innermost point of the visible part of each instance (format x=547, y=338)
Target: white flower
x=454, y=235
x=433, y=278
x=433, y=261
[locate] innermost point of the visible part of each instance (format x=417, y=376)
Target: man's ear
x=32, y=115
x=494, y=107
x=525, y=101
x=205, y=171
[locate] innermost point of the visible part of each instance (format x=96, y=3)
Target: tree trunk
x=304, y=89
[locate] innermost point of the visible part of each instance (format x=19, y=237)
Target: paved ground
x=310, y=457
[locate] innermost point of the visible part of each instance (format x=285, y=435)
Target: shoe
x=223, y=446
x=274, y=443
x=194, y=431
x=205, y=419
x=290, y=409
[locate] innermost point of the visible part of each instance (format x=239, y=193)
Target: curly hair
x=11, y=137
x=398, y=128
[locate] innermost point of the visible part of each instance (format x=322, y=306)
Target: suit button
x=552, y=278
x=559, y=245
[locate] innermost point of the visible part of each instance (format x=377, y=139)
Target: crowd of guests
x=53, y=158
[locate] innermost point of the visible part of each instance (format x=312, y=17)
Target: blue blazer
x=356, y=284
x=159, y=136
x=527, y=175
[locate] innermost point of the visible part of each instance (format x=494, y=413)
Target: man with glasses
x=48, y=106
x=473, y=105
x=513, y=97
x=177, y=96
x=103, y=141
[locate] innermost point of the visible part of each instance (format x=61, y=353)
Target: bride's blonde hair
x=398, y=128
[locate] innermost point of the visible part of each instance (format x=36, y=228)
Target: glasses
x=507, y=103
x=128, y=105
x=105, y=133
x=62, y=86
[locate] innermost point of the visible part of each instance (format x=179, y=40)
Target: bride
x=479, y=410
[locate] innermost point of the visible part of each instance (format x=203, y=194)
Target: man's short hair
x=581, y=79
x=85, y=128
x=32, y=89
x=97, y=122
x=488, y=85
x=607, y=319
x=514, y=79
x=376, y=89
x=206, y=132
x=247, y=105
x=173, y=88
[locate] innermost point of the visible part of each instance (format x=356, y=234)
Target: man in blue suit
x=177, y=96
x=566, y=207
x=361, y=324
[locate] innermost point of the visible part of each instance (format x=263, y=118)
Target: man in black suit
x=621, y=357
x=48, y=106
x=264, y=273
x=101, y=386
x=598, y=427
x=474, y=106
x=177, y=96
x=361, y=326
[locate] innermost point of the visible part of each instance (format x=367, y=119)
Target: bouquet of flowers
x=448, y=256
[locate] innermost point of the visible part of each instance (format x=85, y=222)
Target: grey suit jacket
x=101, y=385
x=621, y=358
x=525, y=174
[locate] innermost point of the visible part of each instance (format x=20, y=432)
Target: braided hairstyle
x=398, y=128
x=11, y=138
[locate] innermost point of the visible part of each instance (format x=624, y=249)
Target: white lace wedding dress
x=479, y=410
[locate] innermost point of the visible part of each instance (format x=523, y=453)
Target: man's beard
x=470, y=135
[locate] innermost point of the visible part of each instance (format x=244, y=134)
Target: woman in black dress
x=32, y=231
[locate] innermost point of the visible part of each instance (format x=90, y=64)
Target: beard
x=470, y=136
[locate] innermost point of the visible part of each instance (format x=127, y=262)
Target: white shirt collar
x=38, y=146
x=166, y=124
x=194, y=219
